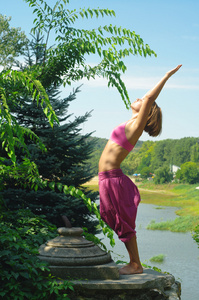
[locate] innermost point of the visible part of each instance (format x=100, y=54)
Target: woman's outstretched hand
x=173, y=71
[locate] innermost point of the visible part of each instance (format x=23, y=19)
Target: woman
x=119, y=196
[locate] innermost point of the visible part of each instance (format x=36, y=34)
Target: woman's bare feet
x=134, y=267
x=131, y=268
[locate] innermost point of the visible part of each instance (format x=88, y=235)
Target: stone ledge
x=102, y=272
x=150, y=285
x=149, y=279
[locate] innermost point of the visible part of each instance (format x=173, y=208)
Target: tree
x=173, y=152
x=195, y=153
x=12, y=42
x=158, y=158
x=63, y=162
x=66, y=63
x=62, y=64
x=163, y=175
x=145, y=172
x=189, y=173
x=147, y=151
x=12, y=85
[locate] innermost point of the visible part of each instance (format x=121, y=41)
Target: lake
x=180, y=250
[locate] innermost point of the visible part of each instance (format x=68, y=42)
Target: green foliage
x=196, y=235
x=96, y=240
x=61, y=160
x=160, y=154
x=146, y=153
x=150, y=154
x=153, y=268
x=163, y=175
x=99, y=145
x=136, y=160
x=12, y=42
x=23, y=275
x=172, y=152
x=67, y=59
x=194, y=156
x=93, y=208
x=180, y=224
x=13, y=84
x=145, y=172
x=158, y=258
x=189, y=172
x=130, y=164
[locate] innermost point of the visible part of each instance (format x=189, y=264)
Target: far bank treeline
x=150, y=157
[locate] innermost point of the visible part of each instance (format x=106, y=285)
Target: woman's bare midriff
x=112, y=157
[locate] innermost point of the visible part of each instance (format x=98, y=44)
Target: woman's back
x=117, y=148
x=112, y=157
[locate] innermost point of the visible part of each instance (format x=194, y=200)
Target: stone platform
x=94, y=274
x=102, y=272
x=150, y=285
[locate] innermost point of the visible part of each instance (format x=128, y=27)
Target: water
x=180, y=250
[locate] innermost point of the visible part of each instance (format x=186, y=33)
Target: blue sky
x=171, y=28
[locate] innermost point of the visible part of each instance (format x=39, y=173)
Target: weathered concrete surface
x=105, y=271
x=70, y=248
x=150, y=285
x=71, y=255
x=149, y=279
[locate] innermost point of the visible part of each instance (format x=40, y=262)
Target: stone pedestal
x=71, y=256
x=95, y=276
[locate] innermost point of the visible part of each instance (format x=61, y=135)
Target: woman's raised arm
x=155, y=91
x=148, y=99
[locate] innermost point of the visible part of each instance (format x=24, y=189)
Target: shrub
x=196, y=235
x=145, y=172
x=163, y=175
x=23, y=274
x=189, y=173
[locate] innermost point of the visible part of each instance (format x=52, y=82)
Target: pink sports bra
x=118, y=136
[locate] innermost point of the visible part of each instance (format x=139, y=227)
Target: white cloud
x=142, y=83
x=98, y=82
x=191, y=37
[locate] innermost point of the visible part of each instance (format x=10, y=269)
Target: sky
x=171, y=29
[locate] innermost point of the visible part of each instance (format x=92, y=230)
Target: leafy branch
x=92, y=207
x=11, y=133
x=67, y=59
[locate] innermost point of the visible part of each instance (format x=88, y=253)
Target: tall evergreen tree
x=64, y=160
x=63, y=63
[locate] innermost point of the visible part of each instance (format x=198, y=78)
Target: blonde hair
x=154, y=122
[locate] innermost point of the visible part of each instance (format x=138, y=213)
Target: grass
x=92, y=187
x=184, y=197
x=159, y=258
x=181, y=224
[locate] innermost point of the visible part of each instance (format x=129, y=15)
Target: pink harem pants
x=119, y=199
